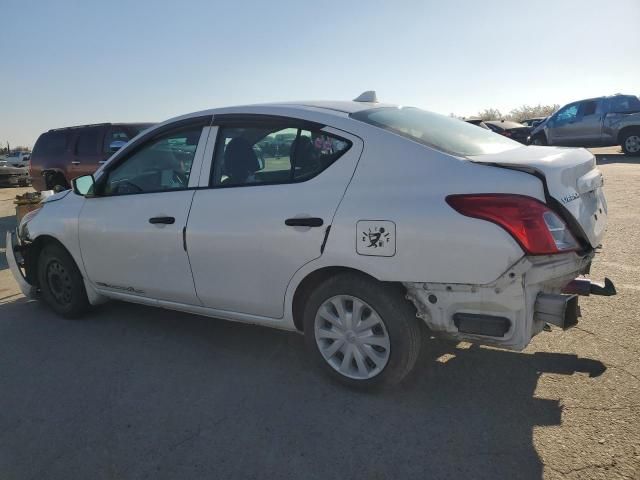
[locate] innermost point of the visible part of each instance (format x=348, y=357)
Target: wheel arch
x=309, y=283
x=35, y=249
x=623, y=131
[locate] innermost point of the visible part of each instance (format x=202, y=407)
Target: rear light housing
x=536, y=228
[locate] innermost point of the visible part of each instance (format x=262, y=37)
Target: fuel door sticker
x=376, y=238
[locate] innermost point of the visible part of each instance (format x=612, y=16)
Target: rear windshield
x=443, y=133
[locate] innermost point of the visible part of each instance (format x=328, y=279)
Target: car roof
x=338, y=108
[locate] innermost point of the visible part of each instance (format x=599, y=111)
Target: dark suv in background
x=62, y=154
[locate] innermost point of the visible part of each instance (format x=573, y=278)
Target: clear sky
x=73, y=62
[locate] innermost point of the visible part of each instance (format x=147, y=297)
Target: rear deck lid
x=572, y=178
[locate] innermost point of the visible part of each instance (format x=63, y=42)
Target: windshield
x=446, y=134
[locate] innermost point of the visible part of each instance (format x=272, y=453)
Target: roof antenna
x=369, y=96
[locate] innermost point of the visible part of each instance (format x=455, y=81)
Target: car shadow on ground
x=609, y=158
x=6, y=224
x=137, y=392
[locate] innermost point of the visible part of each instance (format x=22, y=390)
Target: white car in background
x=366, y=224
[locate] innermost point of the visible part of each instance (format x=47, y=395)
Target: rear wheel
x=61, y=282
x=630, y=142
x=362, y=332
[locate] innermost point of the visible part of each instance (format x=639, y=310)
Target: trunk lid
x=572, y=179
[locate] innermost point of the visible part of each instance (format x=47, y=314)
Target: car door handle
x=75, y=162
x=304, y=222
x=162, y=220
x=101, y=161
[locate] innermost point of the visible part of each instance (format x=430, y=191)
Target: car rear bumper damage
x=16, y=263
x=534, y=293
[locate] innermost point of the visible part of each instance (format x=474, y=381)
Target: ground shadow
x=6, y=224
x=609, y=158
x=136, y=392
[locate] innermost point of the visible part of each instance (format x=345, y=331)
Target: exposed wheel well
x=31, y=260
x=626, y=130
x=308, y=284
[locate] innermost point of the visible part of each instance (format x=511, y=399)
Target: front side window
x=567, y=114
x=162, y=164
x=273, y=154
x=588, y=108
x=443, y=133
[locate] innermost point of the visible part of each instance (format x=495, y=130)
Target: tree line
x=518, y=114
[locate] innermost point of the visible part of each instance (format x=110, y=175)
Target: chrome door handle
x=75, y=162
x=101, y=161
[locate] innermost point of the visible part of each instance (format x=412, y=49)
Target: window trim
x=131, y=149
x=235, y=120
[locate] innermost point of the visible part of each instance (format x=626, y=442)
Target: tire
x=630, y=142
x=388, y=321
x=55, y=181
x=61, y=283
x=539, y=139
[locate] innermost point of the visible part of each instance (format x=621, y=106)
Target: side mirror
x=116, y=145
x=83, y=185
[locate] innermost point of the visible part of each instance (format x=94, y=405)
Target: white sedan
x=365, y=226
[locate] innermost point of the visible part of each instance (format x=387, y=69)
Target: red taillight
x=537, y=229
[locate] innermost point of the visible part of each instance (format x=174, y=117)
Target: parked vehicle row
x=14, y=169
x=594, y=122
x=334, y=239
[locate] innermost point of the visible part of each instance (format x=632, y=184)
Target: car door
x=258, y=221
x=588, y=125
x=131, y=231
x=561, y=128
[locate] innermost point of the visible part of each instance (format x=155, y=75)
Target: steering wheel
x=125, y=186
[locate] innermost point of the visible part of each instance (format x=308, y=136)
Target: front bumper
x=12, y=245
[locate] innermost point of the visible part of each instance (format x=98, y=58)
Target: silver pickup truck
x=595, y=122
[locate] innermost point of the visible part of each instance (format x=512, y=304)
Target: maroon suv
x=65, y=153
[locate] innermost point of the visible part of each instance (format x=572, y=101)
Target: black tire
x=398, y=315
x=627, y=146
x=539, y=140
x=55, y=181
x=61, y=283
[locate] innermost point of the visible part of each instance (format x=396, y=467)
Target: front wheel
x=362, y=332
x=61, y=282
x=630, y=142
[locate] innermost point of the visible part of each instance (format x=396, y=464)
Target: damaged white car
x=357, y=223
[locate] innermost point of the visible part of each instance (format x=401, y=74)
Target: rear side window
x=443, y=133
x=87, y=143
x=51, y=143
x=270, y=154
x=624, y=104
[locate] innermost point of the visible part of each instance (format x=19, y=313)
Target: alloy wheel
x=632, y=144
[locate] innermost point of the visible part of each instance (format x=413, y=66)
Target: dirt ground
x=135, y=392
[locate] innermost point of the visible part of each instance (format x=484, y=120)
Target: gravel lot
x=135, y=392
